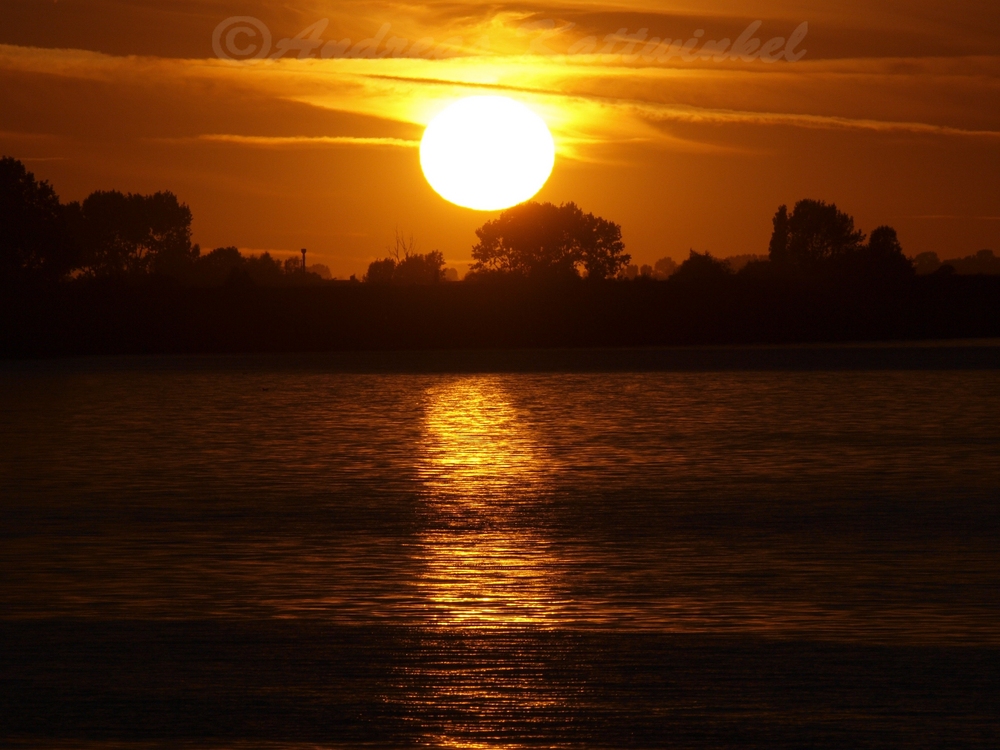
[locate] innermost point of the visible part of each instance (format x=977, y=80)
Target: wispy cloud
x=827, y=122
x=586, y=105
x=287, y=141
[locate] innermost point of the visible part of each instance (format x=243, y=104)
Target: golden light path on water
x=485, y=562
x=487, y=570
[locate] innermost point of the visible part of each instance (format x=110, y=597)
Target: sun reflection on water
x=487, y=571
x=485, y=560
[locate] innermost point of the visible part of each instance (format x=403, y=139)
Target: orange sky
x=893, y=113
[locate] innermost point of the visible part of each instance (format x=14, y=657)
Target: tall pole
x=303, y=260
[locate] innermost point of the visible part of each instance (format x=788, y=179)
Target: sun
x=487, y=153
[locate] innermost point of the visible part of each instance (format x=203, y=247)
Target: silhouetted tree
x=427, y=268
x=701, y=269
x=884, y=248
x=925, y=263
x=320, y=269
x=664, y=268
x=629, y=272
x=35, y=238
x=419, y=268
x=406, y=266
x=881, y=259
x=263, y=269
x=215, y=267
x=982, y=262
x=778, y=247
x=600, y=243
x=381, y=271
x=541, y=240
x=884, y=242
x=737, y=263
x=125, y=234
x=814, y=232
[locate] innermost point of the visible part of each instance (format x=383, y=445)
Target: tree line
x=117, y=273
x=543, y=242
x=126, y=236
x=116, y=235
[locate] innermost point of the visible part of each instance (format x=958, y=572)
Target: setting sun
x=487, y=153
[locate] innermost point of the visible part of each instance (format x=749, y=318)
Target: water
x=343, y=551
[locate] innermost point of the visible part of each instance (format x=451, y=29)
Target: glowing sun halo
x=487, y=153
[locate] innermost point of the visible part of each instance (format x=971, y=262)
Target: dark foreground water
x=711, y=548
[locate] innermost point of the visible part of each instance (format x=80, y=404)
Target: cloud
x=299, y=140
x=824, y=122
x=599, y=113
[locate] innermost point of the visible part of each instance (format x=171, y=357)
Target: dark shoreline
x=929, y=355
x=159, y=316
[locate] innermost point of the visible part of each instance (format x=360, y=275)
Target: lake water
x=692, y=549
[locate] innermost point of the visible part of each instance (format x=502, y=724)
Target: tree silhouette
x=220, y=264
x=404, y=265
x=925, y=263
x=381, y=271
x=629, y=272
x=35, y=236
x=664, y=268
x=701, y=269
x=814, y=232
x=427, y=268
x=880, y=259
x=778, y=247
x=128, y=234
x=541, y=240
x=227, y=265
x=983, y=261
x=263, y=269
